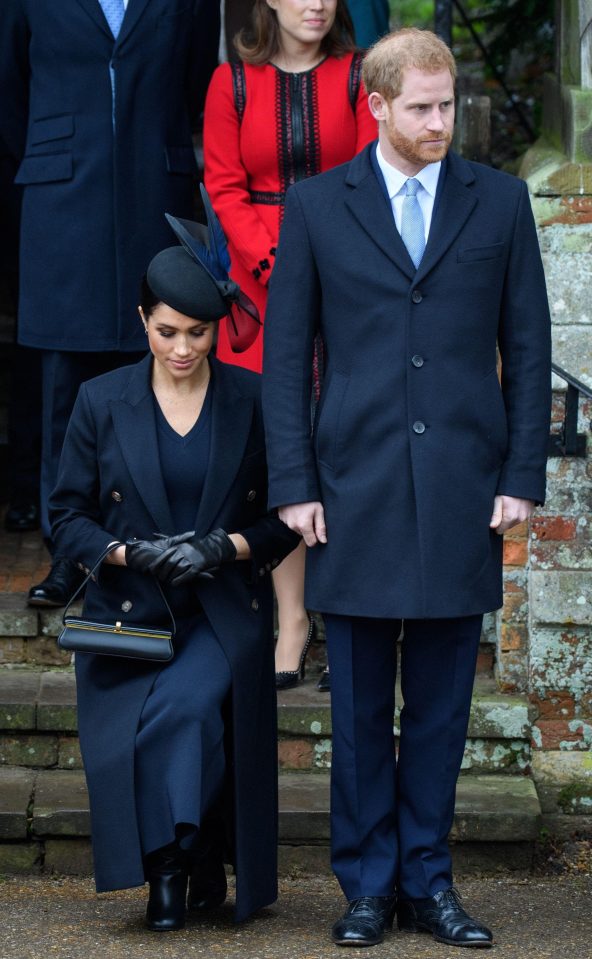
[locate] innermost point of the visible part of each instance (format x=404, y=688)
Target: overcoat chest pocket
x=51, y=128
x=476, y=253
x=45, y=168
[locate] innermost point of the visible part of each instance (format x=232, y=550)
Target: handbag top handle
x=92, y=571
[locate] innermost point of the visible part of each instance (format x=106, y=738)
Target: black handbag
x=116, y=639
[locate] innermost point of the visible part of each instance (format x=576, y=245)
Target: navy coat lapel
x=366, y=199
x=95, y=12
x=135, y=9
x=232, y=415
x=454, y=205
x=135, y=427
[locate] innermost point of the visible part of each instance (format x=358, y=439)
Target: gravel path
x=537, y=918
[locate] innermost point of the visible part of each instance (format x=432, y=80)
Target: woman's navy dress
x=179, y=757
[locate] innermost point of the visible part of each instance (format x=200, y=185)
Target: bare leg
x=288, y=581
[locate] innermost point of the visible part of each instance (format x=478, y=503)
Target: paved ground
x=537, y=918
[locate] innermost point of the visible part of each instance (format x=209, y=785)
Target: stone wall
x=544, y=632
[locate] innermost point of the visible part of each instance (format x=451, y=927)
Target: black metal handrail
x=569, y=442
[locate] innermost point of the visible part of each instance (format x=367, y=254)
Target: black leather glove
x=186, y=561
x=143, y=555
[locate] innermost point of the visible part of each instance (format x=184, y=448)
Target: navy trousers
x=390, y=816
x=62, y=374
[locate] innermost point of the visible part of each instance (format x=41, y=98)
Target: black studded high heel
x=291, y=677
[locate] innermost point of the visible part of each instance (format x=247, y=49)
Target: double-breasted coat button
x=126, y=605
x=251, y=495
x=262, y=571
x=116, y=496
x=417, y=360
x=255, y=605
x=274, y=563
x=416, y=297
x=418, y=427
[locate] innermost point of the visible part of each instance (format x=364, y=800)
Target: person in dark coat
x=414, y=265
x=181, y=758
x=99, y=98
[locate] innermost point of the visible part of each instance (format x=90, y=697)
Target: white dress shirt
x=395, y=184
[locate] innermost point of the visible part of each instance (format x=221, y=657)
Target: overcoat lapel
x=95, y=12
x=135, y=9
x=232, y=414
x=135, y=427
x=367, y=202
x=372, y=210
x=456, y=203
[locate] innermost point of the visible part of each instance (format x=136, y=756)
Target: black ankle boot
x=167, y=872
x=207, y=880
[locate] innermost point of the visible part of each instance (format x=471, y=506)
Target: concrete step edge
x=55, y=803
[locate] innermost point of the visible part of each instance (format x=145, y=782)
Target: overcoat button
x=126, y=605
x=262, y=572
x=116, y=496
x=274, y=563
x=416, y=297
x=255, y=605
x=418, y=427
x=417, y=360
x=268, y=567
x=251, y=495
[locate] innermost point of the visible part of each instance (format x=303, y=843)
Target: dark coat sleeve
x=14, y=76
x=524, y=339
x=205, y=41
x=74, y=506
x=291, y=323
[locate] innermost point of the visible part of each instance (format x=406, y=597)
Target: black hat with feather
x=194, y=278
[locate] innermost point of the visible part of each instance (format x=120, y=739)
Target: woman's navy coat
x=110, y=488
x=102, y=132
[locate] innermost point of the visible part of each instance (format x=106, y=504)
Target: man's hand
x=509, y=511
x=308, y=519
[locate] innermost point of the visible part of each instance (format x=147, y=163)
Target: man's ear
x=377, y=106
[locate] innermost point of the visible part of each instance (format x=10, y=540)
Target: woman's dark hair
x=148, y=301
x=259, y=43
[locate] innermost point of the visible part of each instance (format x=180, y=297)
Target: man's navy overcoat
x=102, y=132
x=414, y=434
x=110, y=487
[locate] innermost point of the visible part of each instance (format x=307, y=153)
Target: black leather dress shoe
x=22, y=518
x=167, y=872
x=365, y=921
x=61, y=582
x=445, y=918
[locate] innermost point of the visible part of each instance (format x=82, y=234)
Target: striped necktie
x=412, y=225
x=114, y=11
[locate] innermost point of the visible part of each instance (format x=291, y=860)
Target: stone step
x=44, y=821
x=27, y=635
x=54, y=802
x=38, y=724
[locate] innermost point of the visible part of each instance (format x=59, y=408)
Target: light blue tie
x=412, y=225
x=114, y=11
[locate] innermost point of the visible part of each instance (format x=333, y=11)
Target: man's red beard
x=420, y=150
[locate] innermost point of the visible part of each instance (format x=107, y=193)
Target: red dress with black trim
x=264, y=129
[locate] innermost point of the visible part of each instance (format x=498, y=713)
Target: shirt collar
x=394, y=179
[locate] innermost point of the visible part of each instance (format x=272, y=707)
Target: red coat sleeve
x=226, y=178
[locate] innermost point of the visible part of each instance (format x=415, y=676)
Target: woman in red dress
x=292, y=107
